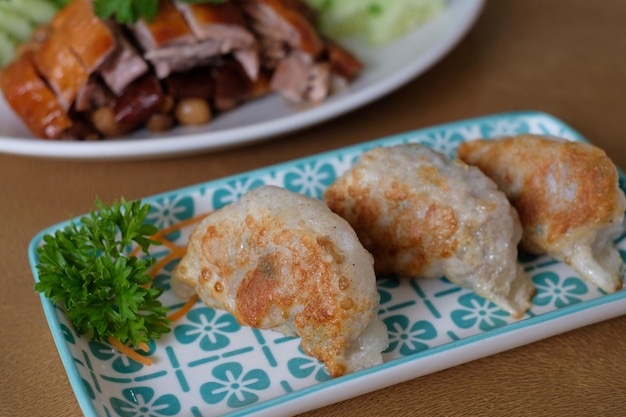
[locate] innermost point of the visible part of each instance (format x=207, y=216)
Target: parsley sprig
x=105, y=293
x=129, y=11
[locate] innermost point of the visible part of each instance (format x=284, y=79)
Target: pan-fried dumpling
x=279, y=260
x=422, y=215
x=568, y=198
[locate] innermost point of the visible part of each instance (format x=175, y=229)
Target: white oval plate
x=386, y=69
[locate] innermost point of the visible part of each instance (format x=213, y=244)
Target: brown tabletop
x=564, y=57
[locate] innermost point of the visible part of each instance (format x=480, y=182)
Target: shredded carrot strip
x=129, y=352
x=180, y=225
x=176, y=253
x=158, y=236
x=144, y=346
x=166, y=242
x=134, y=251
x=184, y=309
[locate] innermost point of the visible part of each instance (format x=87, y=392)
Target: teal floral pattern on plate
x=208, y=327
x=210, y=365
x=234, y=385
x=142, y=401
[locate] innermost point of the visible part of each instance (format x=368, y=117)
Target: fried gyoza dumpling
x=422, y=215
x=280, y=260
x=567, y=196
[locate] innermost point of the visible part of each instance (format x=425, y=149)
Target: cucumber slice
x=36, y=11
x=18, y=18
x=388, y=20
x=320, y=4
x=7, y=49
x=341, y=18
x=378, y=21
x=13, y=23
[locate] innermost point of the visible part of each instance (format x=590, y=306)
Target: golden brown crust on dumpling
x=437, y=228
x=422, y=215
x=544, y=163
x=279, y=260
x=567, y=195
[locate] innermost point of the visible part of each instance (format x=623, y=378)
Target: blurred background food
x=377, y=21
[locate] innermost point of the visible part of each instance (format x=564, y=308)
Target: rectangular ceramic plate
x=209, y=365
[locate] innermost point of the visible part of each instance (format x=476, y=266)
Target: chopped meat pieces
x=32, y=99
x=100, y=78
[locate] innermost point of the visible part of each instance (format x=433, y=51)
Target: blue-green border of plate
x=605, y=300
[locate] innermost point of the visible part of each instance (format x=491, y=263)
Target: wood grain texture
x=564, y=57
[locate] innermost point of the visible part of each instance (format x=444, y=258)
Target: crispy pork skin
x=33, y=101
x=87, y=36
x=124, y=65
x=61, y=68
x=224, y=23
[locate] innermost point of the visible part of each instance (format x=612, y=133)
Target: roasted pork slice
x=31, y=98
x=224, y=23
x=282, y=21
x=305, y=64
x=271, y=52
x=182, y=57
x=342, y=63
x=92, y=96
x=221, y=22
x=167, y=40
x=124, y=66
x=61, y=68
x=99, y=45
x=300, y=79
x=87, y=35
x=249, y=60
x=166, y=29
x=171, y=45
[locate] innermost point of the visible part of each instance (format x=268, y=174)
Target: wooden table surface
x=564, y=57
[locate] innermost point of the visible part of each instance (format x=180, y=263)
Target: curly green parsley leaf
x=105, y=293
x=129, y=11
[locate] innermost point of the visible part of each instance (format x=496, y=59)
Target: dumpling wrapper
x=568, y=198
x=279, y=260
x=423, y=215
